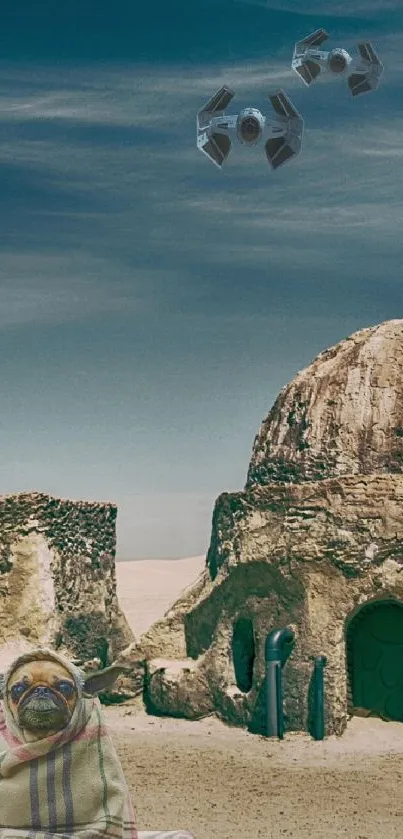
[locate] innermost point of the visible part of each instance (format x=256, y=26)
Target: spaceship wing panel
x=217, y=148
x=313, y=67
x=368, y=53
x=216, y=105
x=283, y=105
x=223, y=144
x=273, y=146
x=286, y=137
x=360, y=83
x=308, y=70
x=315, y=39
x=278, y=152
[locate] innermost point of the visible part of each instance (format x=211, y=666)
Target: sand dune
x=147, y=588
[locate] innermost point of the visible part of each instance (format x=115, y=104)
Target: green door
x=377, y=659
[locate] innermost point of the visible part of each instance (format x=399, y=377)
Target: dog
x=42, y=694
x=59, y=771
x=42, y=697
x=60, y=775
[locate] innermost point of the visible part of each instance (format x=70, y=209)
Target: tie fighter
x=309, y=62
x=282, y=134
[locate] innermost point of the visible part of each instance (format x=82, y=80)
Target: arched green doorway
x=243, y=653
x=375, y=658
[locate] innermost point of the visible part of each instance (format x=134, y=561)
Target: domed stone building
x=313, y=543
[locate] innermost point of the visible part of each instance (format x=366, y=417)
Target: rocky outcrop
x=314, y=542
x=57, y=578
x=342, y=415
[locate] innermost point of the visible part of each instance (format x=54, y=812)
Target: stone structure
x=57, y=578
x=315, y=543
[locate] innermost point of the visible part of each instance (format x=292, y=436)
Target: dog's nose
x=41, y=690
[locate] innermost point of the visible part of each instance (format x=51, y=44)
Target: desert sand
x=221, y=782
x=148, y=587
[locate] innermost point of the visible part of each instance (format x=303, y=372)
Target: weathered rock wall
x=351, y=521
x=57, y=577
x=315, y=540
x=341, y=415
x=301, y=555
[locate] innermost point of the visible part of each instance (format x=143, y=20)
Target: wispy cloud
x=116, y=191
x=141, y=97
x=157, y=304
x=137, y=96
x=44, y=288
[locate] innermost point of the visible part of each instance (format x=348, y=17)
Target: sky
x=151, y=305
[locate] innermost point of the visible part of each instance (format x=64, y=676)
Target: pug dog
x=42, y=694
x=53, y=736
x=60, y=774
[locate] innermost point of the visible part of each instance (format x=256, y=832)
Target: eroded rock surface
x=57, y=578
x=342, y=415
x=313, y=543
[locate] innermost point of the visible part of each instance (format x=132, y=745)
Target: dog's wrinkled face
x=42, y=696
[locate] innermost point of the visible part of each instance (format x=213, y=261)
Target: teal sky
x=151, y=306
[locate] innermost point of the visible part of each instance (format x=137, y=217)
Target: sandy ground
x=221, y=782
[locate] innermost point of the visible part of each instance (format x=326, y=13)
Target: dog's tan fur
x=47, y=703
x=46, y=674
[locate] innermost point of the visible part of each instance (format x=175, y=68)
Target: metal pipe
x=279, y=703
x=275, y=659
x=319, y=697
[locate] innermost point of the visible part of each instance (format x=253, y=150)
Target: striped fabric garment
x=68, y=784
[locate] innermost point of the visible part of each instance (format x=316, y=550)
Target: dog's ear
x=103, y=679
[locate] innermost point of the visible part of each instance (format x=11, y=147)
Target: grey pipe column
x=274, y=656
